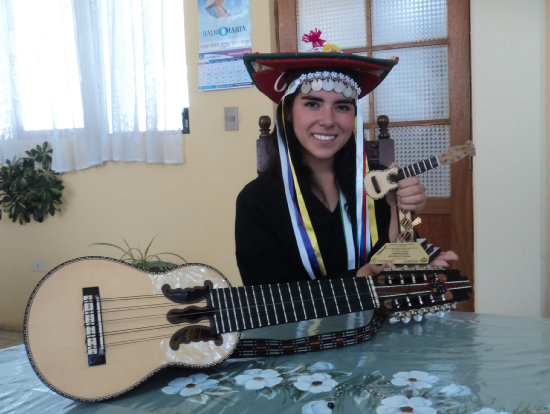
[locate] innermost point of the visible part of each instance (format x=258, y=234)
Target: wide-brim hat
x=268, y=70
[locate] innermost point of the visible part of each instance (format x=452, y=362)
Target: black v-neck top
x=266, y=247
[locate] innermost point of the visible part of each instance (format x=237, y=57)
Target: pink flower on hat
x=314, y=37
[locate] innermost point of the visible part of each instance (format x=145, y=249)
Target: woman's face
x=323, y=123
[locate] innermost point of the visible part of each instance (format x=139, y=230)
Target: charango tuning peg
x=394, y=319
x=397, y=317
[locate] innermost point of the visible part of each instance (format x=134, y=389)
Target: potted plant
x=144, y=259
x=29, y=188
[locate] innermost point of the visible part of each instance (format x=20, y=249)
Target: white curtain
x=98, y=79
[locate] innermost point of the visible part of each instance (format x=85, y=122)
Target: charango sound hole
x=191, y=314
x=194, y=334
x=187, y=295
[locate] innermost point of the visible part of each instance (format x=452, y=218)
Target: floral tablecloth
x=462, y=363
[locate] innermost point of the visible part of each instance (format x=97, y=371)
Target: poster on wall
x=224, y=36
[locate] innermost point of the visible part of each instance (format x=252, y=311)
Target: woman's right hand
x=370, y=269
x=443, y=258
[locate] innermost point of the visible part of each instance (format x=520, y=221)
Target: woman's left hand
x=411, y=195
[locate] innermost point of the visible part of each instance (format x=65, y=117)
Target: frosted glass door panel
x=417, y=88
x=413, y=144
x=366, y=134
x=399, y=21
x=342, y=22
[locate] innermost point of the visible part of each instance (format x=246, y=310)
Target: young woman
x=307, y=216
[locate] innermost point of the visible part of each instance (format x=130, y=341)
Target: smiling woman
x=307, y=216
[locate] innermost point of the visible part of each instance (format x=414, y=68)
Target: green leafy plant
x=29, y=188
x=143, y=259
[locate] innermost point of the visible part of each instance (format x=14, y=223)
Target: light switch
x=231, y=118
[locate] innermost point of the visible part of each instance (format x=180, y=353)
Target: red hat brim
x=269, y=69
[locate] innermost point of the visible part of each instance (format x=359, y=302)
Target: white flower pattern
x=317, y=407
x=370, y=392
x=415, y=380
x=256, y=379
x=455, y=390
x=191, y=385
x=321, y=366
x=315, y=383
x=399, y=404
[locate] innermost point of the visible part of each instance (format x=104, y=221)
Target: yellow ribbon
x=372, y=215
x=303, y=209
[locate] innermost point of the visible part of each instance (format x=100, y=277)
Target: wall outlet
x=38, y=266
x=231, y=118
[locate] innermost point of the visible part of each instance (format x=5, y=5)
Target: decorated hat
x=325, y=67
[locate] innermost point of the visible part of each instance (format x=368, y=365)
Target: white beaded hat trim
x=328, y=81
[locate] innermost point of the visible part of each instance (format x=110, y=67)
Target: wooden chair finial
x=262, y=142
x=383, y=122
x=265, y=124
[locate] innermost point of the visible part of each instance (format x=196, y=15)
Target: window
x=99, y=79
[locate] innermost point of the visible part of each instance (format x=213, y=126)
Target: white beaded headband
x=325, y=80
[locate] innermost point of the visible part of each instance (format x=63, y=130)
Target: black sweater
x=266, y=247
